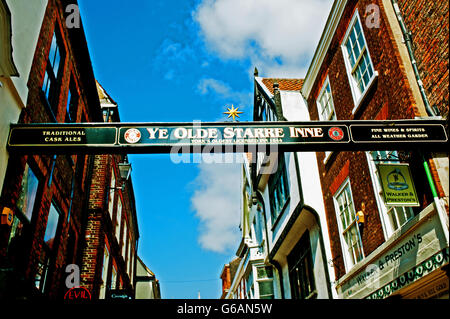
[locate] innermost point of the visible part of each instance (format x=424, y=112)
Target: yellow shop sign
x=397, y=184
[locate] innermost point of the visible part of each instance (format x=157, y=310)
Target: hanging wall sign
x=397, y=184
x=408, y=132
x=62, y=135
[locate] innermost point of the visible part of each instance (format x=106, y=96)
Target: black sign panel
x=233, y=135
x=226, y=137
x=409, y=132
x=62, y=135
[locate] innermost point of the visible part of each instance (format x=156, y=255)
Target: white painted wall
x=295, y=109
x=26, y=22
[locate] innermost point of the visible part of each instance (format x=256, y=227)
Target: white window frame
x=345, y=251
x=104, y=272
x=388, y=227
x=129, y=258
x=118, y=219
x=111, y=191
x=113, y=284
x=356, y=94
x=320, y=109
x=259, y=280
x=124, y=240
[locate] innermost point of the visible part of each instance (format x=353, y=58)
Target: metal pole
x=437, y=203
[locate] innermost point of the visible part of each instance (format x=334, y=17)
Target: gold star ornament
x=233, y=112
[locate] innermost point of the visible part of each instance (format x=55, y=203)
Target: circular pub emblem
x=336, y=133
x=132, y=135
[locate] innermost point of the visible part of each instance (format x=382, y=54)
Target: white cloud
x=171, y=56
x=277, y=36
x=216, y=202
x=224, y=91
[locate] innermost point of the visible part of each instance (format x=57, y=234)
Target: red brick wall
x=101, y=228
x=59, y=189
x=429, y=23
x=389, y=98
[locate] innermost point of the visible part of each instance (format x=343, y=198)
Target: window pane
x=352, y=38
x=369, y=65
x=326, y=104
x=113, y=278
x=41, y=272
x=28, y=192
x=118, y=218
x=349, y=228
x=357, y=27
x=278, y=189
x=357, y=51
x=104, y=272
x=348, y=45
x=111, y=194
x=46, y=85
x=124, y=240
x=264, y=272
x=361, y=41
x=54, y=56
x=68, y=115
x=356, y=48
x=52, y=224
x=265, y=287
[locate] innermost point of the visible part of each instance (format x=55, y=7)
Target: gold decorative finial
x=233, y=112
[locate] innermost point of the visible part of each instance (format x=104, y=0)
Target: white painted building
x=285, y=249
x=18, y=42
x=146, y=284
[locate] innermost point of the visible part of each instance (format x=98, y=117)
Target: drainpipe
x=437, y=203
x=409, y=45
x=408, y=41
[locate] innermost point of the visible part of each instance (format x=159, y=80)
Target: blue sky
x=184, y=61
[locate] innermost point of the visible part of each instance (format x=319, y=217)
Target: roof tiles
x=284, y=84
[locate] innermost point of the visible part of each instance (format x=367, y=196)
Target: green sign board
x=231, y=134
x=397, y=184
x=225, y=137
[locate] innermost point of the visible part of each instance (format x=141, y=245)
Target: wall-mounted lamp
x=125, y=172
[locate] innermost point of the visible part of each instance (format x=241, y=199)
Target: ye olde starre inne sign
x=225, y=136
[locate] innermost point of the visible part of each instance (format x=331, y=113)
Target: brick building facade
x=46, y=193
x=428, y=23
x=109, y=258
x=362, y=70
x=66, y=209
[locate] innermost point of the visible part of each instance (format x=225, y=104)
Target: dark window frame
x=72, y=103
x=47, y=257
x=51, y=85
x=301, y=270
x=19, y=241
x=278, y=185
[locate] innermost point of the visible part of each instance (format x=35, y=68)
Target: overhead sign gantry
x=101, y=138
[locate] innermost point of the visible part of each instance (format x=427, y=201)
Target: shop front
x=412, y=263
